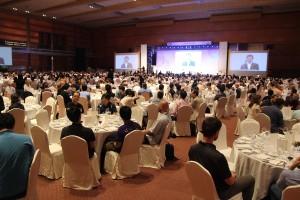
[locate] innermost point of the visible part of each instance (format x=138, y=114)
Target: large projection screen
x=5, y=56
x=127, y=61
x=205, y=61
x=248, y=62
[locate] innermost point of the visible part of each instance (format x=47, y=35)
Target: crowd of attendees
x=264, y=94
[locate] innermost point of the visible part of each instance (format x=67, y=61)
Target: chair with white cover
x=80, y=172
x=243, y=98
x=52, y=102
x=153, y=156
x=126, y=163
x=85, y=104
x=52, y=160
x=201, y=116
x=264, y=121
x=19, y=116
x=296, y=131
x=30, y=100
x=138, y=114
x=231, y=105
x=45, y=96
x=140, y=100
x=249, y=127
x=48, y=108
x=241, y=115
x=202, y=183
x=182, y=123
x=220, y=108
x=31, y=193
x=291, y=192
x=152, y=111
x=287, y=112
x=221, y=142
x=61, y=106
x=43, y=120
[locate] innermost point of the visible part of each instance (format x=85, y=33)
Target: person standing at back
x=16, y=153
x=205, y=153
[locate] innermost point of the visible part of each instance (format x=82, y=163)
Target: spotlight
x=15, y=9
x=44, y=15
x=27, y=11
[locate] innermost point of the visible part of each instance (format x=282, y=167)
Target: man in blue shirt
x=16, y=153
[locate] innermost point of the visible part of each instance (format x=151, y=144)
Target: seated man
x=288, y=177
x=76, y=128
x=205, y=153
x=159, y=98
x=75, y=102
x=155, y=133
x=106, y=105
x=16, y=102
x=275, y=114
x=115, y=141
x=16, y=153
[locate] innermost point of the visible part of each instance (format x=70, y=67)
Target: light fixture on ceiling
x=95, y=5
x=27, y=11
x=44, y=15
x=53, y=17
x=15, y=9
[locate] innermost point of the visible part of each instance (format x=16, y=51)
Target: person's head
x=105, y=99
x=125, y=113
x=126, y=59
x=222, y=88
x=108, y=88
x=15, y=99
x=211, y=127
x=161, y=87
x=74, y=114
x=7, y=121
x=144, y=85
x=255, y=99
x=121, y=89
x=163, y=107
x=183, y=94
x=76, y=97
x=84, y=87
x=249, y=58
x=129, y=93
x=278, y=101
x=270, y=92
x=160, y=95
x=294, y=90
x=194, y=93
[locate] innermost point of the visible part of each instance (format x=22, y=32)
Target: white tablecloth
x=258, y=157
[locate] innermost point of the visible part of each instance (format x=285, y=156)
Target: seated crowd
x=170, y=92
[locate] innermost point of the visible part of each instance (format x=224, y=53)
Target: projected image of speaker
x=80, y=59
x=5, y=56
x=127, y=61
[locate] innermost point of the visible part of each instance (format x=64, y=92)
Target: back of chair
x=40, y=139
x=291, y=193
x=241, y=113
x=165, y=136
x=42, y=119
x=33, y=176
x=19, y=116
x=140, y=100
x=184, y=114
x=201, y=116
x=132, y=142
x=45, y=96
x=85, y=104
x=201, y=181
x=231, y=100
x=74, y=158
x=152, y=111
x=52, y=102
x=61, y=106
x=264, y=121
x=48, y=108
x=137, y=114
x=296, y=131
x=287, y=112
x=249, y=127
x=221, y=142
x=220, y=109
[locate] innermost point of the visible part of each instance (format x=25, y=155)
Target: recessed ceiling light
x=44, y=15
x=53, y=17
x=27, y=11
x=15, y=9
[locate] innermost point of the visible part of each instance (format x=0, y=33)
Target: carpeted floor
x=164, y=184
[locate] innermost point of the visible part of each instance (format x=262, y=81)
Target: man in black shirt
x=205, y=153
x=75, y=102
x=77, y=129
x=2, y=106
x=275, y=114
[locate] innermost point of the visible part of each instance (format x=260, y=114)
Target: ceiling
x=97, y=13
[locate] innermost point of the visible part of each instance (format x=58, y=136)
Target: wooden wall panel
x=280, y=30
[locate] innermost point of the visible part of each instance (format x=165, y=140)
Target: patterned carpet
x=164, y=184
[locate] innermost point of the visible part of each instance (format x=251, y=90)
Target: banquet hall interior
x=150, y=99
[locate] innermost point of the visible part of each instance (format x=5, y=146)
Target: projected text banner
x=194, y=61
x=5, y=56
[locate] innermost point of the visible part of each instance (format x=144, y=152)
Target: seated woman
x=106, y=105
x=254, y=106
x=115, y=141
x=15, y=102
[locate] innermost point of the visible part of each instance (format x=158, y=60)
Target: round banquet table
x=109, y=124
x=257, y=156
